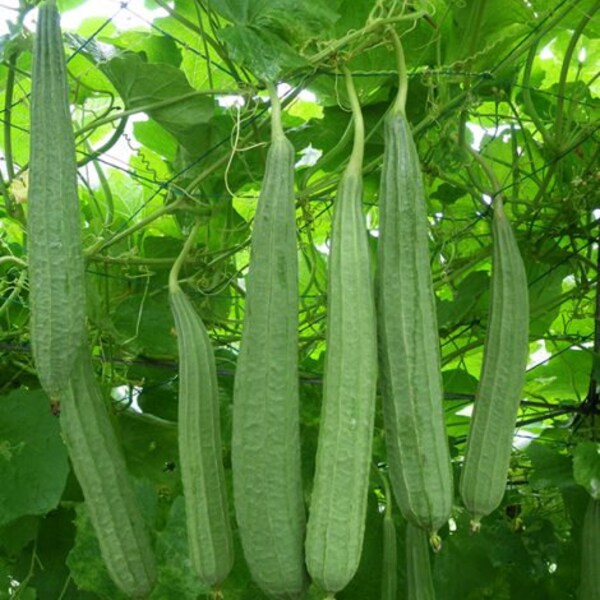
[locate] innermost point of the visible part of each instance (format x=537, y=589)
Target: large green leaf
x=163, y=92
x=33, y=458
x=586, y=467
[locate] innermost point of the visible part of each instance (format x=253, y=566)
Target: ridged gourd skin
x=418, y=564
x=589, y=587
x=267, y=478
x=102, y=474
x=336, y=522
x=490, y=438
x=417, y=446
x=389, y=580
x=209, y=534
x=55, y=254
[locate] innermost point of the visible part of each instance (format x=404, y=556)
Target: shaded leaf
x=550, y=467
x=146, y=325
x=586, y=467
x=33, y=457
x=175, y=576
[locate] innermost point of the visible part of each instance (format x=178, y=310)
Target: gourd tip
x=436, y=542
x=475, y=525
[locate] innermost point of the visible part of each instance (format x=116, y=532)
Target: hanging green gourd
x=55, y=253
x=410, y=364
x=506, y=349
x=338, y=505
x=267, y=480
x=209, y=535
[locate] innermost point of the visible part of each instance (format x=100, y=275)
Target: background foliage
x=172, y=126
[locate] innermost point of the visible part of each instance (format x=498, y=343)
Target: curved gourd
x=490, y=438
x=101, y=471
x=61, y=355
x=199, y=432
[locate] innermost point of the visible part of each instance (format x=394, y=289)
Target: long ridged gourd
x=338, y=505
x=209, y=535
x=498, y=395
x=56, y=267
x=101, y=471
x=589, y=586
x=417, y=447
x=267, y=478
x=418, y=564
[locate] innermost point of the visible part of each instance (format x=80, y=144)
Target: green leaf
x=154, y=48
x=18, y=534
x=544, y=292
x=550, y=467
x=459, y=381
x=467, y=304
x=65, y=5
x=163, y=92
x=263, y=33
x=145, y=325
x=261, y=51
x=481, y=32
x=565, y=376
x=447, y=193
x=33, y=458
x=367, y=581
x=461, y=550
x=586, y=467
x=580, y=8
x=53, y=543
x=153, y=136
x=298, y=20
x=150, y=446
x=85, y=561
x=175, y=576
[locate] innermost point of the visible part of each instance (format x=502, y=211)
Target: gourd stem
x=276, y=127
x=174, y=273
x=14, y=293
x=356, y=158
x=327, y=158
x=376, y=24
x=8, y=103
x=526, y=93
x=496, y=191
x=102, y=244
x=399, y=105
x=564, y=72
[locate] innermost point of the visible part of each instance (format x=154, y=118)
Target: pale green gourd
x=410, y=365
x=589, y=586
x=101, y=471
x=55, y=254
x=337, y=513
x=490, y=438
x=267, y=479
x=209, y=535
x=418, y=564
x=58, y=333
